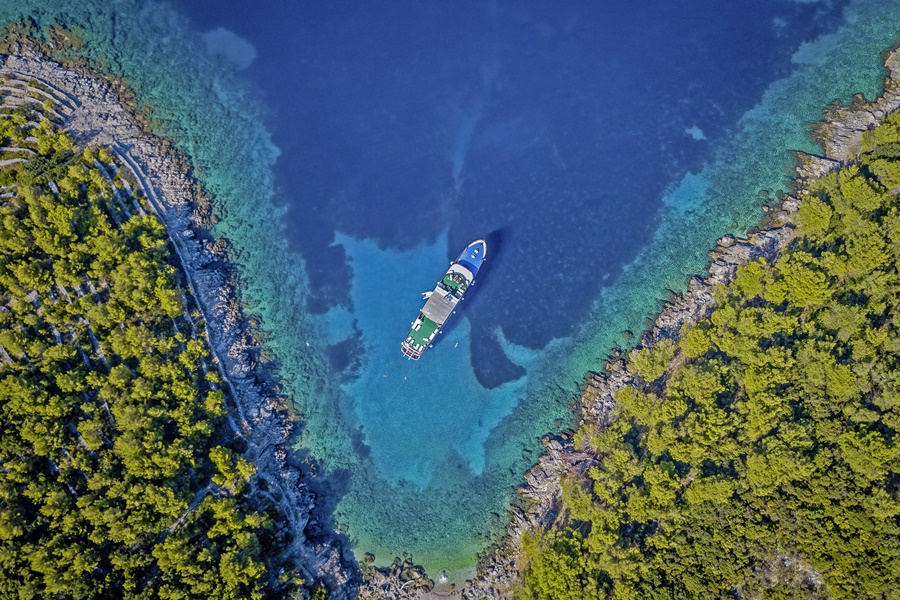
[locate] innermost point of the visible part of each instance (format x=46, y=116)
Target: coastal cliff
x=92, y=112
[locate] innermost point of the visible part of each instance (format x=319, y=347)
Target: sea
x=354, y=148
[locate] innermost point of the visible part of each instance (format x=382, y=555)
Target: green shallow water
x=447, y=509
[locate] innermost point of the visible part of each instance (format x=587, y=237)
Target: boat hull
x=442, y=301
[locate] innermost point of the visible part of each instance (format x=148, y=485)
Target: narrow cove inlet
x=504, y=193
x=596, y=201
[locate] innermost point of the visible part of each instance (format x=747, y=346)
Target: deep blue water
x=352, y=149
x=554, y=126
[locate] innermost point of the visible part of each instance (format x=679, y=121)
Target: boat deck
x=421, y=334
x=455, y=282
x=440, y=305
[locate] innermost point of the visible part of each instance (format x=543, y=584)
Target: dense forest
x=119, y=473
x=757, y=454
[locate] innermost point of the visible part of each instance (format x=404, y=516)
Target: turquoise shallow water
x=425, y=457
x=423, y=403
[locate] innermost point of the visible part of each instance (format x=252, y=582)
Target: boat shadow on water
x=489, y=363
x=494, y=250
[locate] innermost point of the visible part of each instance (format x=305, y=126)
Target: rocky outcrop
x=91, y=110
x=401, y=580
x=841, y=130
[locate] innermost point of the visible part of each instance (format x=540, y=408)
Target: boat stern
x=410, y=352
x=419, y=337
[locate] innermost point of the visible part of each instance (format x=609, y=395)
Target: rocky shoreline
x=93, y=112
x=840, y=135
